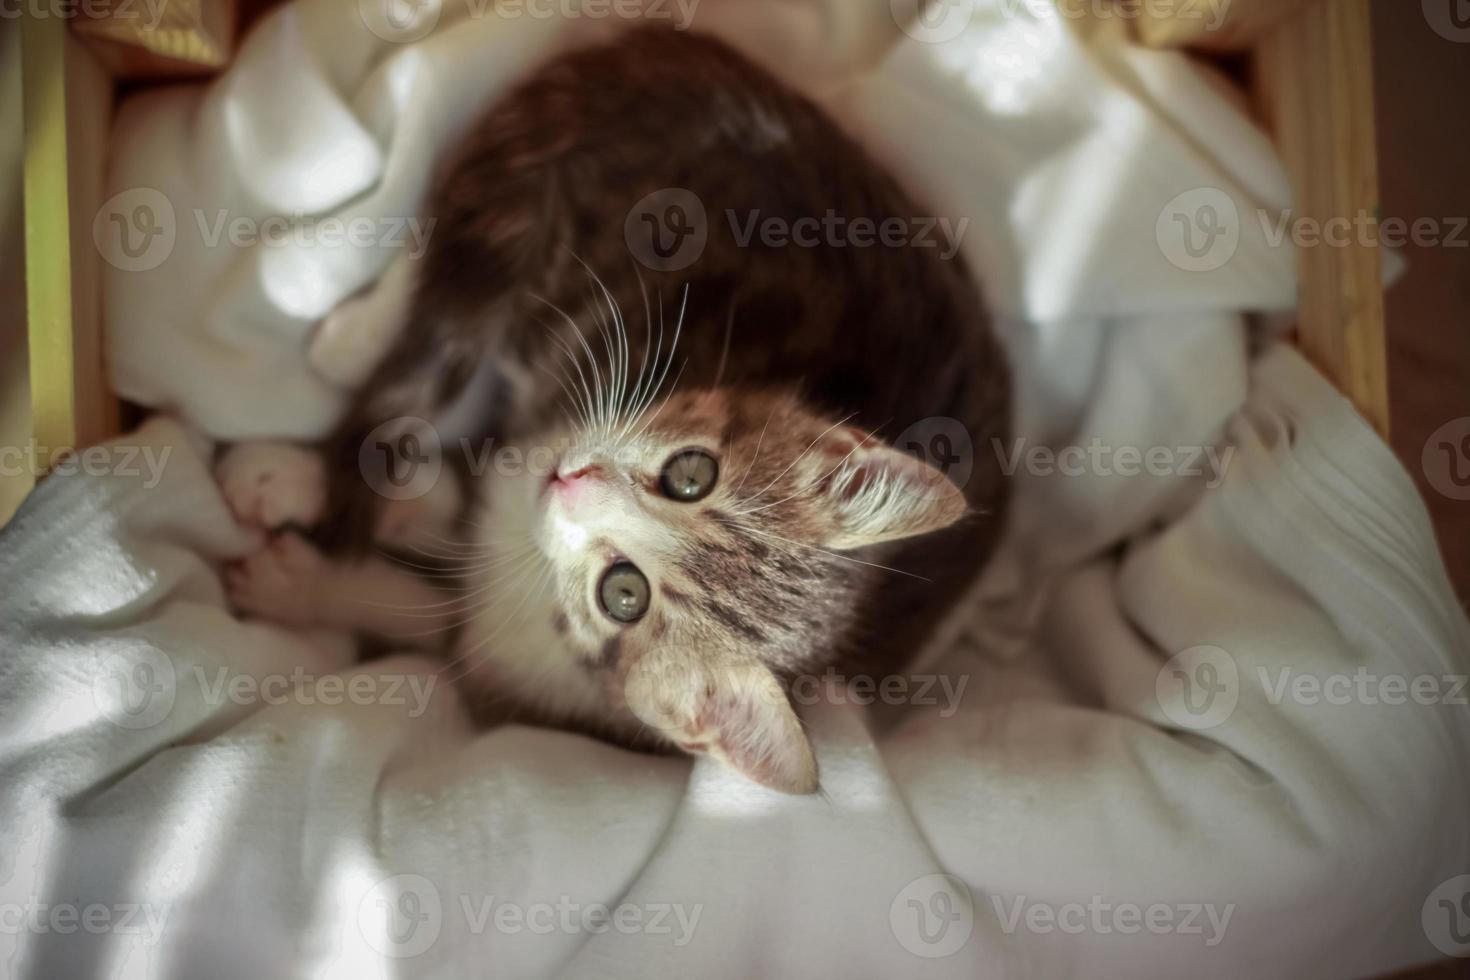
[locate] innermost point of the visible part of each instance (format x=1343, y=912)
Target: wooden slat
x=66, y=105
x=89, y=97
x=1315, y=91
x=48, y=231
x=1213, y=24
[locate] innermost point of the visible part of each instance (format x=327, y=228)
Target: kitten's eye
x=623, y=592
x=690, y=475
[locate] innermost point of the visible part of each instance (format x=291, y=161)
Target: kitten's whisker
x=582, y=396
x=508, y=620
x=617, y=365
x=461, y=567
x=584, y=404
x=419, y=609
x=597, y=384
x=832, y=554
x=607, y=346
x=756, y=455
x=461, y=544
x=663, y=404
x=627, y=355
x=725, y=349
x=673, y=348
x=515, y=574
x=564, y=389
x=801, y=456
x=643, y=364
x=813, y=484
x=494, y=540
x=471, y=612
x=445, y=555
x=645, y=372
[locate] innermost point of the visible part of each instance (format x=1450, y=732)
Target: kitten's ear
x=877, y=493
x=732, y=709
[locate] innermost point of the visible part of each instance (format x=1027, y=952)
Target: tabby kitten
x=717, y=511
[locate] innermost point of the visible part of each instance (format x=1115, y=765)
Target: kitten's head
x=703, y=557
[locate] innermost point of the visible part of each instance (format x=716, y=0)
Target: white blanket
x=1142, y=787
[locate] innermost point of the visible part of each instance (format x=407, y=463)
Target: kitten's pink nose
x=577, y=474
x=569, y=482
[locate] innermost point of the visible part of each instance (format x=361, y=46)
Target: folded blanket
x=230, y=800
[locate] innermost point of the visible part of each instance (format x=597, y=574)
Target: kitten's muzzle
x=570, y=475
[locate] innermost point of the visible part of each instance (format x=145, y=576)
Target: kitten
x=717, y=511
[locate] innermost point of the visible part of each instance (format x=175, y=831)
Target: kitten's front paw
x=284, y=582
x=272, y=484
